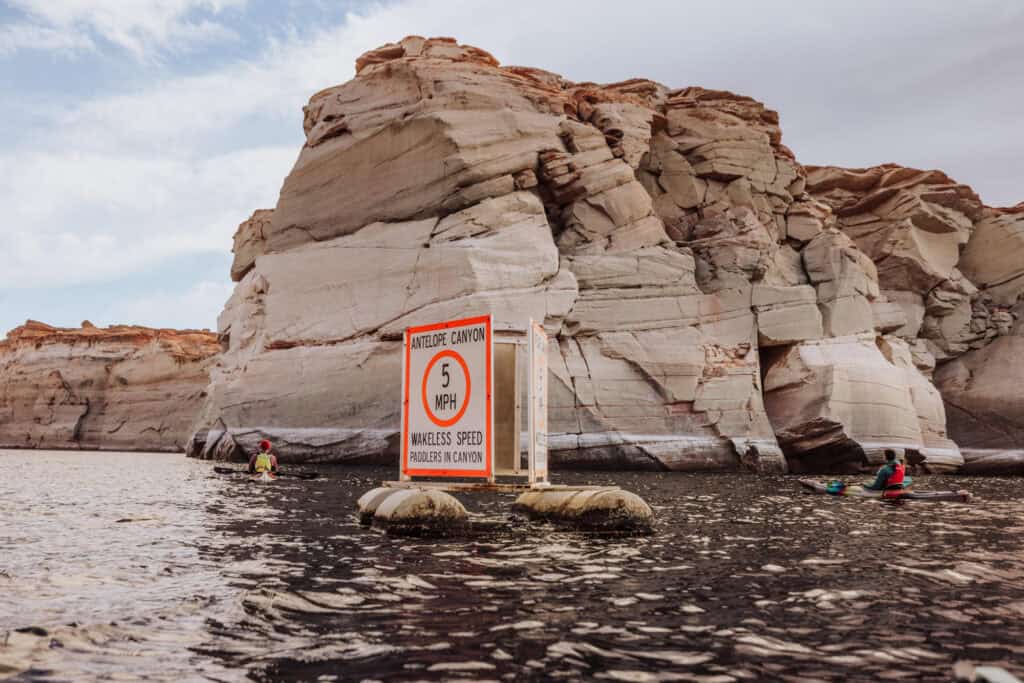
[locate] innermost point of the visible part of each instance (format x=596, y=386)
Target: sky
x=135, y=135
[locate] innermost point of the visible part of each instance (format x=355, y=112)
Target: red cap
x=264, y=445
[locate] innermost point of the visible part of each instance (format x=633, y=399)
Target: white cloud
x=151, y=172
x=124, y=181
x=74, y=218
x=196, y=307
x=189, y=111
x=850, y=87
x=24, y=36
x=138, y=26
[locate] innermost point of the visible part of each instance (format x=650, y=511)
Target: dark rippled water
x=128, y=566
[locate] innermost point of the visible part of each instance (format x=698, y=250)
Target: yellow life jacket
x=263, y=462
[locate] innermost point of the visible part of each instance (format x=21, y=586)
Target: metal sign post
x=538, y=404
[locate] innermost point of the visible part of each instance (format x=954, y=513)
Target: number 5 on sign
x=446, y=400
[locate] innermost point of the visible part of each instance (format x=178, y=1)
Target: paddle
x=293, y=475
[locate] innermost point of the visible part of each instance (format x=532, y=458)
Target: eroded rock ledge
x=712, y=303
x=115, y=388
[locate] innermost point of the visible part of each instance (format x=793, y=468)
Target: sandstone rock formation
x=956, y=269
x=704, y=292
x=983, y=387
x=115, y=388
x=912, y=224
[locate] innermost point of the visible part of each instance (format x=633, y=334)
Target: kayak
x=267, y=476
x=857, y=491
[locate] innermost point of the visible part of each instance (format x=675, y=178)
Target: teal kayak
x=856, y=491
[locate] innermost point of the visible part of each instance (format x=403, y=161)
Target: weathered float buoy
x=608, y=509
x=370, y=501
x=412, y=511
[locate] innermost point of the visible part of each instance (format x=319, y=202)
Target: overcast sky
x=137, y=134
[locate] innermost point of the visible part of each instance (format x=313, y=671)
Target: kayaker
x=264, y=461
x=892, y=476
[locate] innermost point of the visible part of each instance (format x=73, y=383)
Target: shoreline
x=1000, y=462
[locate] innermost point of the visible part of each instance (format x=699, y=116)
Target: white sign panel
x=446, y=400
x=538, y=403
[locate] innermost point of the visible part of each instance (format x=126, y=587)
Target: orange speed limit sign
x=446, y=399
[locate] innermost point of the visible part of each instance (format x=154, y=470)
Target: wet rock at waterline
x=700, y=286
x=996, y=461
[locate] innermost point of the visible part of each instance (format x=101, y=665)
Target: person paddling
x=264, y=461
x=891, y=477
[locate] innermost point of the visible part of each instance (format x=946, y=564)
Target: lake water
x=128, y=566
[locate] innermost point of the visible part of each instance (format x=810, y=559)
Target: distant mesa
x=122, y=387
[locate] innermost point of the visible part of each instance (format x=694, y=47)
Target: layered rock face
x=700, y=299
x=951, y=273
x=115, y=388
x=983, y=387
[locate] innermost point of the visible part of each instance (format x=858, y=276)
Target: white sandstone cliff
x=700, y=299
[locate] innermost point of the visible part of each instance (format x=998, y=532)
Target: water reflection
x=99, y=566
x=745, y=579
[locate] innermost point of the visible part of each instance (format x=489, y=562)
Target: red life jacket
x=896, y=478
